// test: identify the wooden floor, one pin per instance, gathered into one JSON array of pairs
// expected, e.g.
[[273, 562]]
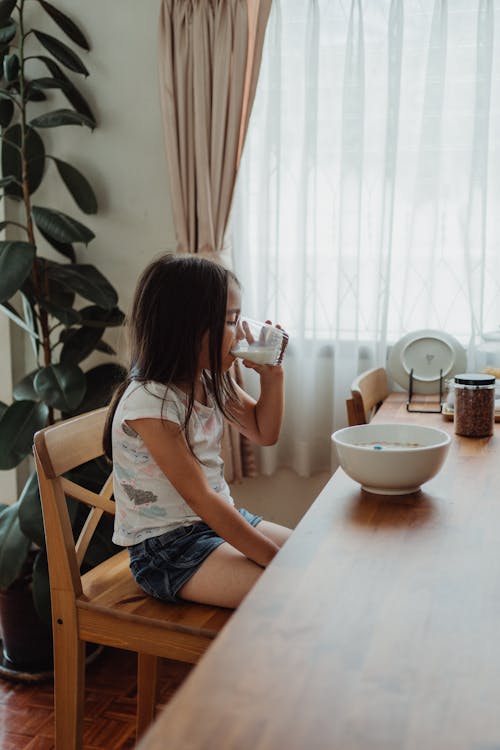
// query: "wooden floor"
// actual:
[[27, 716]]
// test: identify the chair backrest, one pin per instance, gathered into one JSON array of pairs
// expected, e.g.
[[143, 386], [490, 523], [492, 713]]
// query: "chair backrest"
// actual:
[[368, 391], [58, 449]]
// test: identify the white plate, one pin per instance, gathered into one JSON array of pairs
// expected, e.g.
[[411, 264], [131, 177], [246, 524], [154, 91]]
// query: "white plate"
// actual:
[[427, 352]]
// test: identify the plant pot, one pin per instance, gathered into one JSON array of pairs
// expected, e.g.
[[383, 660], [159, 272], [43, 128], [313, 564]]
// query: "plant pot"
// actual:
[[26, 653], [26, 640]]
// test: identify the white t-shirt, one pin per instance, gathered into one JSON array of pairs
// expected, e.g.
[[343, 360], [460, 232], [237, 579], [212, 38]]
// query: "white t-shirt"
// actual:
[[146, 502]]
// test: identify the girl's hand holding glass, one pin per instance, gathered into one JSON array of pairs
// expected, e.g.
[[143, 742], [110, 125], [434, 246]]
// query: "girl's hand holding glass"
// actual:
[[261, 343]]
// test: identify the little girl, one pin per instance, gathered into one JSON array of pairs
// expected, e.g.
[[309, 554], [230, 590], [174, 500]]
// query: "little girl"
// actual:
[[174, 509]]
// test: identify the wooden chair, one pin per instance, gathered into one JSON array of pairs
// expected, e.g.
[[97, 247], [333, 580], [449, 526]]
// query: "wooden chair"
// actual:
[[105, 605], [368, 391]]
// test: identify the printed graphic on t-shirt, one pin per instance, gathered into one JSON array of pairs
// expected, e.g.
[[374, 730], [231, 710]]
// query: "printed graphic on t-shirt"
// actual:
[[139, 497], [128, 430]]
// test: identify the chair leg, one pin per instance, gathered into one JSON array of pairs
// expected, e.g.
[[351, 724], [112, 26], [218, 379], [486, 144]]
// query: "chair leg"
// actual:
[[69, 687], [147, 680]]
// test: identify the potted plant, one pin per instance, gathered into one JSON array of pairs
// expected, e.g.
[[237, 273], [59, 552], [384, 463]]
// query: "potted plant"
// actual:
[[64, 306]]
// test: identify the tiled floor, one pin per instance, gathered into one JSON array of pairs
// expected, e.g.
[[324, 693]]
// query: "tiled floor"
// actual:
[[26, 711]]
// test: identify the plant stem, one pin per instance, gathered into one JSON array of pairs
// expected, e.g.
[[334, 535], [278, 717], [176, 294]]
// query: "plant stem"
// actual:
[[38, 274], [17, 224]]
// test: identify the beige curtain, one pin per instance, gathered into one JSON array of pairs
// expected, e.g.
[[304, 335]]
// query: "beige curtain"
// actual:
[[209, 54]]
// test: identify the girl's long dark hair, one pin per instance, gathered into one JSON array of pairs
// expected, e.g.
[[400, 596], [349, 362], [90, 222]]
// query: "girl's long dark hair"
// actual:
[[178, 298]]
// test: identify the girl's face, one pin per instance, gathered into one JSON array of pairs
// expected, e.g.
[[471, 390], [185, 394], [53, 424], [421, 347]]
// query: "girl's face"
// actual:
[[232, 331]]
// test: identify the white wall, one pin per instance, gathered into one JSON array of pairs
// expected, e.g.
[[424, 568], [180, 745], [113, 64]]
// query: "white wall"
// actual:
[[124, 159]]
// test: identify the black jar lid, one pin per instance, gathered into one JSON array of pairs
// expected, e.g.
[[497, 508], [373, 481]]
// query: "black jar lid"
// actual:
[[475, 378]]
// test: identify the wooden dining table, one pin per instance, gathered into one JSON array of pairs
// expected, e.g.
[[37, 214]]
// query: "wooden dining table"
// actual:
[[376, 627]]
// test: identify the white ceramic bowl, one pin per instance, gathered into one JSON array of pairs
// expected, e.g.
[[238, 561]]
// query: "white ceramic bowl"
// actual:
[[391, 459]]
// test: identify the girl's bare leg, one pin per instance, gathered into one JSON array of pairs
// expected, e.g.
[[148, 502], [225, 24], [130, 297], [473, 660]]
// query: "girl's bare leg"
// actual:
[[226, 576], [223, 579]]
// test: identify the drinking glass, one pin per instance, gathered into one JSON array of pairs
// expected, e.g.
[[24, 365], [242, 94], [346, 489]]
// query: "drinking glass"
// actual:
[[264, 344]]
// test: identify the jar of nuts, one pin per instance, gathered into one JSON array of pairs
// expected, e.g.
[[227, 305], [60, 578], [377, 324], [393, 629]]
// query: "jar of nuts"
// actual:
[[474, 404]]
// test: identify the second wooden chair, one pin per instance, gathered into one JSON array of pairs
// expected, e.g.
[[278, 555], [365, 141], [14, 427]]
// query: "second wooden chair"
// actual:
[[368, 391]]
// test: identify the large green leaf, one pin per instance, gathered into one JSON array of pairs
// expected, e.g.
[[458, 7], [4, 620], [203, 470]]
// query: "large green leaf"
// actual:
[[11, 67], [6, 8], [61, 52], [86, 280], [102, 346], [16, 261], [94, 316], [25, 390], [37, 86], [33, 94], [7, 95], [65, 248], [59, 226], [17, 426], [3, 182], [78, 186], [101, 383], [8, 31], [31, 321], [45, 82], [79, 344], [11, 313], [59, 117], [28, 286], [11, 158], [64, 335], [66, 24], [30, 511], [6, 112], [66, 315], [14, 546], [62, 386], [70, 91], [30, 301], [59, 294]]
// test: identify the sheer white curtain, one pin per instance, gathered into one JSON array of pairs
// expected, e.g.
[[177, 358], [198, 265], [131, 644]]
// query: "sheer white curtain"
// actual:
[[369, 191]]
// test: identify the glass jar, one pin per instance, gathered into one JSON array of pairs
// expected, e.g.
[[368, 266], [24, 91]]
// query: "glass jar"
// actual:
[[487, 354], [474, 404]]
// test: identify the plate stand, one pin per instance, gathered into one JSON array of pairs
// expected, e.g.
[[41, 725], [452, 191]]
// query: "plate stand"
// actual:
[[424, 411]]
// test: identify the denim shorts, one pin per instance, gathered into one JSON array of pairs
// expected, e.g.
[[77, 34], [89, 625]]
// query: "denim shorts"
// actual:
[[162, 564]]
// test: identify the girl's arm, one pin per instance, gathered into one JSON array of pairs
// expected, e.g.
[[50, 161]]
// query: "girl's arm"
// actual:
[[260, 421], [167, 444]]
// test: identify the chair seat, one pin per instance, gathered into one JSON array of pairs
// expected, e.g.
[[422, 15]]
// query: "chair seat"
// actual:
[[111, 593]]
